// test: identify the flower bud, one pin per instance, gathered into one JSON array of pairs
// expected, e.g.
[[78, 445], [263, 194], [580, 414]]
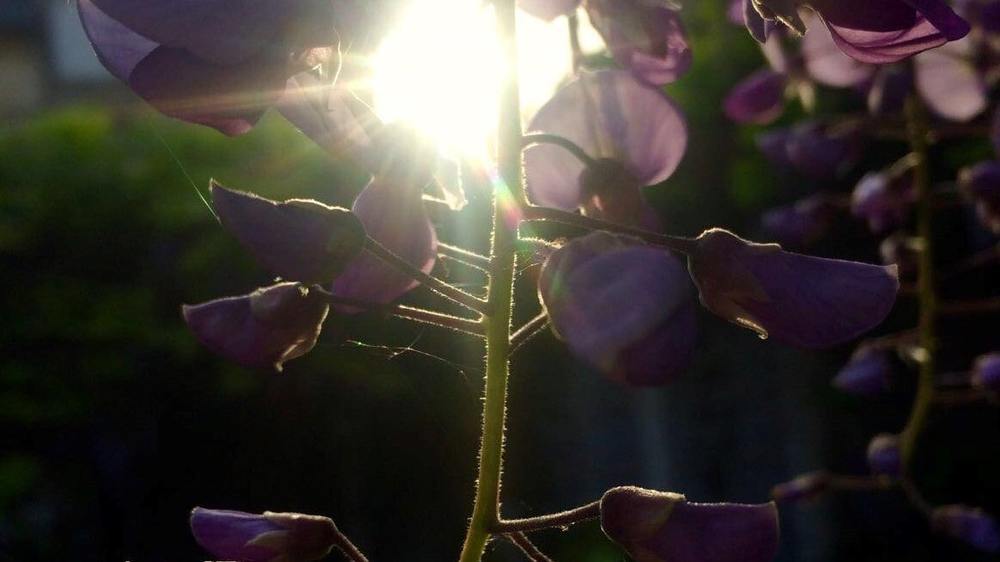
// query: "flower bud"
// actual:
[[969, 525], [820, 152], [901, 250], [866, 373], [801, 223], [623, 307], [613, 194], [800, 300], [981, 185], [803, 487], [884, 457], [300, 240], [657, 526], [758, 98], [268, 537], [263, 329], [986, 372], [883, 200]]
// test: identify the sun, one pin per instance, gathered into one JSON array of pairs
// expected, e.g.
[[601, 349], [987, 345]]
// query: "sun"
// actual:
[[439, 70]]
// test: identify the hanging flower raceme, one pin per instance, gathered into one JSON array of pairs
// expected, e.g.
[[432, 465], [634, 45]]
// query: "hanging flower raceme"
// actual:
[[261, 330], [866, 373], [624, 307], [644, 36], [657, 526], [800, 300], [968, 524], [873, 31], [215, 63], [267, 537], [635, 136]]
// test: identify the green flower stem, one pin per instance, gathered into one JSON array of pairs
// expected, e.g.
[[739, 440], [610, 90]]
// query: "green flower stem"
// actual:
[[562, 519], [926, 291], [508, 196], [678, 244], [529, 549]]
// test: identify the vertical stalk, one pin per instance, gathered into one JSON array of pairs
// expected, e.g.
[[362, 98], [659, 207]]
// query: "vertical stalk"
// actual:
[[916, 118], [507, 196]]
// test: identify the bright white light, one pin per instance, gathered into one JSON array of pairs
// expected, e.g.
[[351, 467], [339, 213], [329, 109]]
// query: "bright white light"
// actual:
[[440, 70]]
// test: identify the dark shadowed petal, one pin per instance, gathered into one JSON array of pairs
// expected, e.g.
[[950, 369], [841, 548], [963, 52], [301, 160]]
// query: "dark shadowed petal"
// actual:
[[882, 200], [891, 86], [820, 152], [260, 330], [734, 12], [948, 81], [981, 185], [609, 192], [623, 307], [648, 40], [760, 29], [663, 527], [249, 537], [117, 47], [801, 223], [826, 63], [229, 98], [970, 525], [883, 454], [773, 144], [986, 372], [803, 487], [758, 98], [796, 299], [548, 9], [609, 114], [866, 373], [299, 240], [395, 218], [225, 31]]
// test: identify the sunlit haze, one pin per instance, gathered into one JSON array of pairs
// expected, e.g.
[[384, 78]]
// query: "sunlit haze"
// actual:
[[439, 70]]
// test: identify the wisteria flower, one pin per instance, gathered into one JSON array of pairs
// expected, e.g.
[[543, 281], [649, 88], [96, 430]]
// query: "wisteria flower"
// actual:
[[883, 198], [986, 372], [264, 329], [636, 135], [873, 31], [801, 223], [645, 36], [968, 524], [866, 373], [883, 454], [657, 526], [813, 149], [220, 64], [800, 300], [981, 185], [267, 537], [624, 307]]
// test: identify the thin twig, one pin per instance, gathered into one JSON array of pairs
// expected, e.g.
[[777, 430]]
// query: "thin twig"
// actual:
[[463, 256], [527, 547], [916, 499], [433, 283], [440, 319], [532, 139], [676, 243], [345, 545], [561, 519], [529, 330]]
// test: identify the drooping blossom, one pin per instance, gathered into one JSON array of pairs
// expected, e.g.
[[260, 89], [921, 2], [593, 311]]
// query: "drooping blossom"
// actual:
[[813, 149], [986, 372], [220, 64], [802, 488], [623, 307], [883, 454], [299, 239], [266, 537], [801, 223], [883, 198], [634, 133], [645, 36], [800, 300], [872, 31], [263, 329], [981, 185], [866, 373], [657, 526], [970, 525]]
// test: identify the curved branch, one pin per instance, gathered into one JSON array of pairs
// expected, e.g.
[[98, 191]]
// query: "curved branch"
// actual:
[[562, 519]]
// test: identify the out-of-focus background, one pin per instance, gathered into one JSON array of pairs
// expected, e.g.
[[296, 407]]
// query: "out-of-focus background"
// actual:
[[114, 423]]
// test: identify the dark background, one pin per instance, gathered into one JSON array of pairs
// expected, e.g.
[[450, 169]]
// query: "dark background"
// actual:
[[114, 423]]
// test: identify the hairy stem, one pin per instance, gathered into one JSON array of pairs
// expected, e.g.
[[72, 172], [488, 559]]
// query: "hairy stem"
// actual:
[[347, 547], [527, 547], [926, 292], [532, 328], [562, 519], [486, 509], [440, 319], [578, 152], [463, 256], [676, 243]]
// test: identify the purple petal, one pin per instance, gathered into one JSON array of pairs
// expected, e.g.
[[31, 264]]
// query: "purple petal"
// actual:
[[117, 47], [969, 525], [760, 29], [299, 240], [883, 200], [226, 533], [548, 9], [734, 12], [986, 372], [773, 144], [867, 372], [799, 300], [758, 98], [396, 219], [611, 193], [624, 308], [801, 223], [663, 527], [228, 98], [949, 83], [827, 64], [260, 330], [648, 40], [820, 152], [610, 115], [883, 454], [804, 487]]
